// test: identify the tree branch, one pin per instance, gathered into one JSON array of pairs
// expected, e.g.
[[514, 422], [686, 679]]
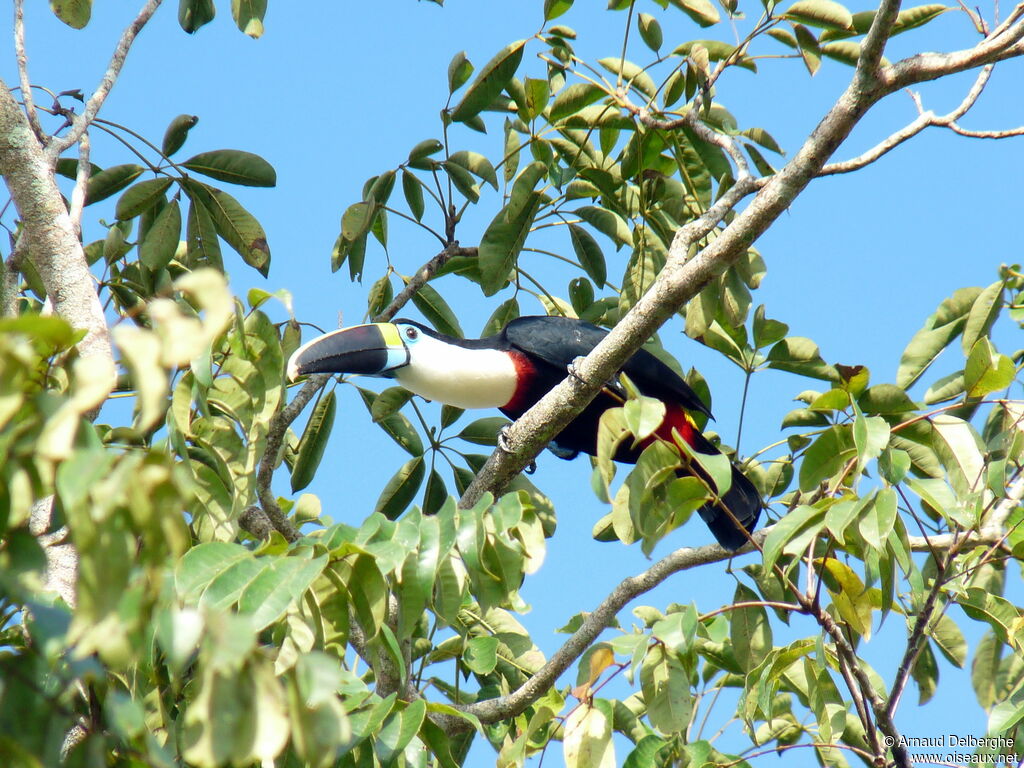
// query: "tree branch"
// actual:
[[92, 106], [23, 78], [493, 710], [924, 120], [81, 184], [49, 235]]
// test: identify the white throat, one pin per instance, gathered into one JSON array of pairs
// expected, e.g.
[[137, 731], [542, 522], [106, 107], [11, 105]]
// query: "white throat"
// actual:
[[464, 378]]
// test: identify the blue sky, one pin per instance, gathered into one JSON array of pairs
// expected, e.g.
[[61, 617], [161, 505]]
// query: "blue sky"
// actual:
[[335, 95]]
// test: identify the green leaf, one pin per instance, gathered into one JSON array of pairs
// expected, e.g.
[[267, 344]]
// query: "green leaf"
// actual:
[[820, 13], [481, 654], [1005, 715], [177, 132], [607, 222], [826, 456], [401, 489], [313, 442], [484, 431], [237, 226], [459, 70], [949, 640], [910, 18], [939, 330], [986, 370], [248, 15], [701, 11], [633, 74], [555, 8], [201, 237], [650, 31], [233, 166], [878, 518], [193, 14], [643, 416], [810, 51], [997, 612], [162, 239], [960, 450], [506, 312], [74, 13], [110, 181], [278, 586], [572, 99], [800, 355], [389, 402], [141, 197], [436, 310], [503, 240], [422, 151], [801, 521], [588, 737], [666, 689], [870, 436], [412, 187], [537, 94], [750, 632], [491, 81], [589, 253], [982, 316]]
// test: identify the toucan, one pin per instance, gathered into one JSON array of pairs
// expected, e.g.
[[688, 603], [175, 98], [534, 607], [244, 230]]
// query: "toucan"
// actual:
[[514, 369]]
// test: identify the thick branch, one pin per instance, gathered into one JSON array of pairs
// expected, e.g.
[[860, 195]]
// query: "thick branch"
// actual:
[[92, 106], [678, 282], [50, 239]]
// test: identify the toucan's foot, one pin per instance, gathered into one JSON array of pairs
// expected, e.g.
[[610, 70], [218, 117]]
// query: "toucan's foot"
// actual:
[[503, 439], [530, 468], [574, 369]]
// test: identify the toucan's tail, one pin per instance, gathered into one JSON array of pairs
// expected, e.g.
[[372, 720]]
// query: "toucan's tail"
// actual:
[[742, 500]]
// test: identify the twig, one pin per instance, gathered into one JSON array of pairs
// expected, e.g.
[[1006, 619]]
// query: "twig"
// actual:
[[81, 184], [26, 83], [421, 277], [92, 106], [925, 119], [503, 707], [271, 453]]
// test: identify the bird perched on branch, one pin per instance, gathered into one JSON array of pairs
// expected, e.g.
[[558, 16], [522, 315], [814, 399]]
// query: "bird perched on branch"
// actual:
[[513, 370]]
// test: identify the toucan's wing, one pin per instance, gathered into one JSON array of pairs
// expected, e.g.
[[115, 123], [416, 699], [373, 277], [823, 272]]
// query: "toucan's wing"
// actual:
[[560, 340]]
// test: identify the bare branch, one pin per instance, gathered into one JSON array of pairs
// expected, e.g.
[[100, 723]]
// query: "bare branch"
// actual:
[[924, 120], [81, 184], [1003, 43], [92, 106], [23, 78]]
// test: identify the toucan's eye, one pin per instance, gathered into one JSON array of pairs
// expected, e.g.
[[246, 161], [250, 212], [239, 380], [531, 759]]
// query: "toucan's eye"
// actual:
[[412, 334]]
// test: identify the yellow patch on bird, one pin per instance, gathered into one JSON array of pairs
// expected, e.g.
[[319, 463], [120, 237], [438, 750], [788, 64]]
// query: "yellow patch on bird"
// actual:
[[391, 336]]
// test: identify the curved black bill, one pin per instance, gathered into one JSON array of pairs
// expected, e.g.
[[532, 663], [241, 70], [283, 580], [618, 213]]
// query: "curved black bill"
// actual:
[[366, 349]]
